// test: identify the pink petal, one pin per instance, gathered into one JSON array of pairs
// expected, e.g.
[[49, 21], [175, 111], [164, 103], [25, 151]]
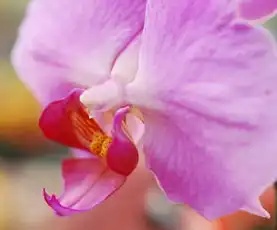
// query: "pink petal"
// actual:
[[122, 156], [207, 88], [255, 9], [62, 45], [88, 182]]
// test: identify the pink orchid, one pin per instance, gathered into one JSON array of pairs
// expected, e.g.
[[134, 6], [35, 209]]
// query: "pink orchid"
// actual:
[[90, 180], [256, 9], [201, 82]]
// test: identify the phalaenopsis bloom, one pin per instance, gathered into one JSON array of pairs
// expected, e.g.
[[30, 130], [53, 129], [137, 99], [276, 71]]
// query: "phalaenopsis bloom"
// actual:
[[187, 83]]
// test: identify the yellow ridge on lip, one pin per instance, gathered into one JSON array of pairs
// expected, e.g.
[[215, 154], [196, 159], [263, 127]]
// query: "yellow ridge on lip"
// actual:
[[100, 144], [86, 129], [92, 136]]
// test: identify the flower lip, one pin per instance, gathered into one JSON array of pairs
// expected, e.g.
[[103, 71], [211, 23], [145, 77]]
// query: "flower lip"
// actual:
[[66, 121], [122, 155], [54, 202], [87, 183]]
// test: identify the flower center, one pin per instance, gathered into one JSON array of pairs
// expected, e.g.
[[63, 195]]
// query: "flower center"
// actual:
[[67, 121], [100, 144], [90, 134]]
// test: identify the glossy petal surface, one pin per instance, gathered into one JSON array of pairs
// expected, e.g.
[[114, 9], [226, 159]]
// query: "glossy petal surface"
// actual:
[[256, 9], [62, 46], [88, 182], [207, 85]]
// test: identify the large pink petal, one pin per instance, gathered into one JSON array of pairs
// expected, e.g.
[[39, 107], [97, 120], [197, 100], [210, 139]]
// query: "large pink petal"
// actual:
[[63, 45], [255, 9], [88, 182], [207, 87]]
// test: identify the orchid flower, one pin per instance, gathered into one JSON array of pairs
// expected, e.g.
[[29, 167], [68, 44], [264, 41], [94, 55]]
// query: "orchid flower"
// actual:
[[257, 9], [89, 180], [200, 81]]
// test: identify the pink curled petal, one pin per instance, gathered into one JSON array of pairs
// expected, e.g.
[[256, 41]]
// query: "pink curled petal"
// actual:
[[134, 125], [207, 88], [256, 9], [122, 156], [88, 182], [55, 204], [62, 46]]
